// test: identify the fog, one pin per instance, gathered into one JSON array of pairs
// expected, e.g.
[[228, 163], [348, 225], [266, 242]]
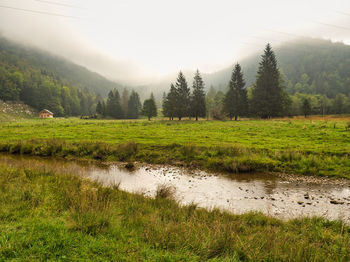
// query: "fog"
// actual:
[[139, 42]]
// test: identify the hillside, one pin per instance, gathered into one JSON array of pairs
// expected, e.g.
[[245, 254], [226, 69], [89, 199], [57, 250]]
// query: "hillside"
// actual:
[[311, 66], [68, 73], [41, 80], [14, 111]]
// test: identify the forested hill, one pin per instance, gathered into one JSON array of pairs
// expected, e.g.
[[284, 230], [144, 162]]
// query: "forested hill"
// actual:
[[42, 81], [311, 66], [67, 72]]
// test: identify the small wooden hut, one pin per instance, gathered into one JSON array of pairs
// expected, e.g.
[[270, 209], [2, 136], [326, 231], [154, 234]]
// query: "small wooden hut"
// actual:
[[45, 114]]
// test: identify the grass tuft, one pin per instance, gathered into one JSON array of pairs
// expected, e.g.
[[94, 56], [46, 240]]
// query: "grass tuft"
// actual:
[[165, 191]]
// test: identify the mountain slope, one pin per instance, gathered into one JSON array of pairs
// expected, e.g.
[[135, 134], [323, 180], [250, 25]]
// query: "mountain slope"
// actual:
[[41, 80], [311, 66], [67, 72]]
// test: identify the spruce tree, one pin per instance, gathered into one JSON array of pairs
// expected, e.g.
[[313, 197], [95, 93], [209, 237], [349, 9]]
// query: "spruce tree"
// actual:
[[198, 107], [268, 95], [134, 106], [182, 108], [124, 101], [169, 104], [99, 109], [306, 107], [104, 109], [165, 106], [109, 105], [114, 108], [149, 108], [236, 99]]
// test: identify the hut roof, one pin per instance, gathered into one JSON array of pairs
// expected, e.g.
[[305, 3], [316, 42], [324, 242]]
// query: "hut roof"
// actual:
[[46, 111]]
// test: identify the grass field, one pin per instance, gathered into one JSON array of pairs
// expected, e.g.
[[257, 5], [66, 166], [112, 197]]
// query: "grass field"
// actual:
[[57, 217], [302, 146]]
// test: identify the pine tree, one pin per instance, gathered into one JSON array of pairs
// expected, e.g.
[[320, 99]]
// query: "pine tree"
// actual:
[[165, 106], [198, 107], [104, 109], [113, 106], [169, 103], [99, 109], [236, 99], [182, 97], [306, 107], [268, 94], [125, 101], [149, 108], [134, 106]]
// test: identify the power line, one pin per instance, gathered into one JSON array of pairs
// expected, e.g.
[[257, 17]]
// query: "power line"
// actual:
[[342, 13], [330, 25], [38, 12], [60, 4]]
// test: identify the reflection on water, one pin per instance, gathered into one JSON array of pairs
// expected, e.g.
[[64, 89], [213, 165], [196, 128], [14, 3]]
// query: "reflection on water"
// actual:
[[270, 194]]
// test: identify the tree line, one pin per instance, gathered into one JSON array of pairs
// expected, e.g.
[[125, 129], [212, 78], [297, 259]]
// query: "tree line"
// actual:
[[40, 89], [127, 106], [267, 97]]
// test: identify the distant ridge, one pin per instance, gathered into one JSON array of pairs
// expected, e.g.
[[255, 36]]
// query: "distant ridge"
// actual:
[[67, 72], [323, 67]]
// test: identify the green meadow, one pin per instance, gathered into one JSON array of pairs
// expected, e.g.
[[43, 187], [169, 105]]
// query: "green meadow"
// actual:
[[59, 217], [315, 146]]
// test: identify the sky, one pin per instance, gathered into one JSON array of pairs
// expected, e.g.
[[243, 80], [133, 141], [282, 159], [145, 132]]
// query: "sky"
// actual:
[[138, 41]]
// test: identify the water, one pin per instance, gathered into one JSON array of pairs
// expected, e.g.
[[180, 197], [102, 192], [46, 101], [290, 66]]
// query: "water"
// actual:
[[280, 196]]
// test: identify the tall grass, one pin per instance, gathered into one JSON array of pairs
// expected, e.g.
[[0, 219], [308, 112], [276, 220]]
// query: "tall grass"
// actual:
[[232, 159], [47, 216], [315, 146]]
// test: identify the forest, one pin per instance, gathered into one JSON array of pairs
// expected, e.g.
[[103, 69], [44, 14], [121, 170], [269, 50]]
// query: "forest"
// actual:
[[312, 80], [41, 80]]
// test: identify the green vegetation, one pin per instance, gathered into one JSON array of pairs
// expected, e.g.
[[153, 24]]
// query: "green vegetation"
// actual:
[[311, 68], [47, 216], [197, 98], [236, 100], [149, 108], [318, 147], [41, 80]]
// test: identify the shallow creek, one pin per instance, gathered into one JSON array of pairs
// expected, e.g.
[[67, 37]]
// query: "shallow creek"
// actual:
[[276, 195]]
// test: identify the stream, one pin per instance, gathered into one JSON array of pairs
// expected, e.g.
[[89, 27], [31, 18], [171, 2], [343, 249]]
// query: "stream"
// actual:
[[276, 195]]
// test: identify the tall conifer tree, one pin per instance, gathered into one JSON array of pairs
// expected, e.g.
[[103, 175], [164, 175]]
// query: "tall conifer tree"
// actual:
[[236, 99], [268, 95], [182, 97], [134, 106], [169, 103], [149, 107], [124, 101], [114, 108], [198, 107]]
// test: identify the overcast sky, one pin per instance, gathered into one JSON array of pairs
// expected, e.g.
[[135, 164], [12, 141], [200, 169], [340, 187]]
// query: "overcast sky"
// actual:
[[135, 41]]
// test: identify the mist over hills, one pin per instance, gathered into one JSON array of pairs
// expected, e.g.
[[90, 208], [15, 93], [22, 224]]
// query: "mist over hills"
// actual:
[[311, 66], [68, 73]]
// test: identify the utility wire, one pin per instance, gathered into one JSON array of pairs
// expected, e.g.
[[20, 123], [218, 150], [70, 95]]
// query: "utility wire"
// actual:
[[331, 25], [38, 12], [60, 4], [342, 13]]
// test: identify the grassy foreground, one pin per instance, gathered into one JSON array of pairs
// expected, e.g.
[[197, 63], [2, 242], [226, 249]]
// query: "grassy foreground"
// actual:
[[312, 146], [47, 216]]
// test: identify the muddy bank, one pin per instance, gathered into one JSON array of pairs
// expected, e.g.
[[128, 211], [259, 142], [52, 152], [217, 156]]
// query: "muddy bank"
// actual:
[[279, 195]]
